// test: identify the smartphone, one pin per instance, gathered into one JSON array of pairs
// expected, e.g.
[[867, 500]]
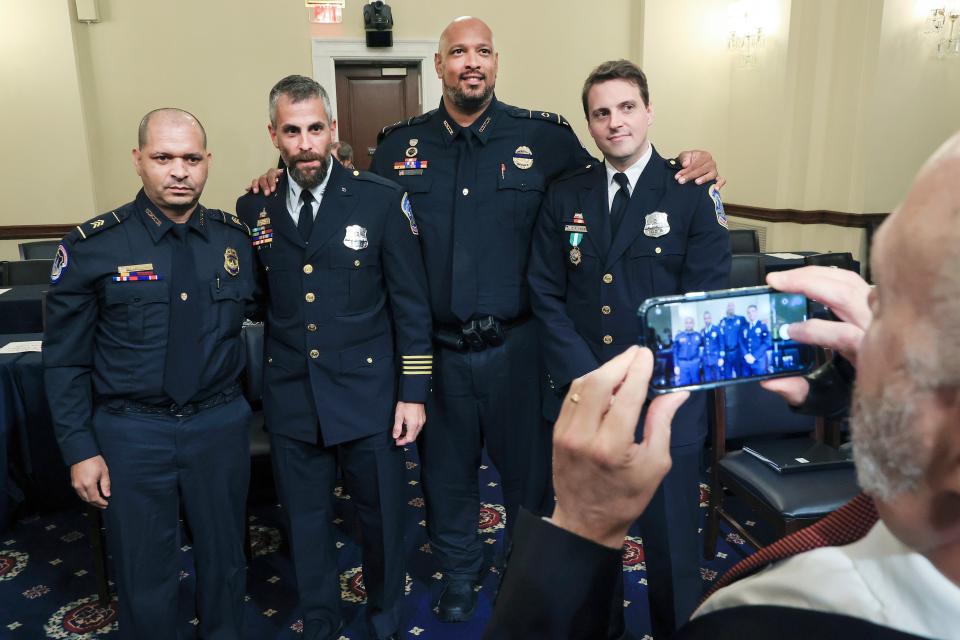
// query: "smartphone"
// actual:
[[710, 339]]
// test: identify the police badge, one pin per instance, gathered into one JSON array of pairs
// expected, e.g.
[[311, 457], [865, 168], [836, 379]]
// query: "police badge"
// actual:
[[355, 237], [231, 261], [656, 225]]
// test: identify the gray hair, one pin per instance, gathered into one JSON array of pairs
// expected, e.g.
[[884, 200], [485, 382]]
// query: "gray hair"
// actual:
[[344, 151], [298, 89]]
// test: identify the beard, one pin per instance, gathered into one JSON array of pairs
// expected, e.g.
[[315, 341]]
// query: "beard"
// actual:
[[469, 102], [887, 442], [308, 180]]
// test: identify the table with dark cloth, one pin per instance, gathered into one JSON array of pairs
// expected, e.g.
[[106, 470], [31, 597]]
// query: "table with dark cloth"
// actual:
[[21, 309]]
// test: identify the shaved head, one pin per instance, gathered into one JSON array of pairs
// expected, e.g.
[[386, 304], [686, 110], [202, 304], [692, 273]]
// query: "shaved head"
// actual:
[[172, 116], [466, 63], [458, 26]]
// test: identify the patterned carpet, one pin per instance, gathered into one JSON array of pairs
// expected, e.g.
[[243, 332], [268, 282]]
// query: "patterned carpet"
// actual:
[[47, 589]]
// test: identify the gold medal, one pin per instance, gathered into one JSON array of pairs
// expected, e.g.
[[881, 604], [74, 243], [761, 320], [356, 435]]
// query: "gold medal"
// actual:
[[411, 152], [575, 256]]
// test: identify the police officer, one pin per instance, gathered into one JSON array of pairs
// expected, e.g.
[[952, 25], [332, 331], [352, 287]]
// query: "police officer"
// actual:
[[755, 342], [339, 262], [687, 345], [732, 326], [476, 170], [141, 354], [712, 349], [609, 236]]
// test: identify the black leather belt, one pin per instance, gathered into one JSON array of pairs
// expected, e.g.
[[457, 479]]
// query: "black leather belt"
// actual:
[[476, 335], [118, 405]]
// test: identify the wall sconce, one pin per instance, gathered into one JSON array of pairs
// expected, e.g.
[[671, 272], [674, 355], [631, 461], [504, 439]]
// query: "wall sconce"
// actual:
[[746, 37], [943, 23]]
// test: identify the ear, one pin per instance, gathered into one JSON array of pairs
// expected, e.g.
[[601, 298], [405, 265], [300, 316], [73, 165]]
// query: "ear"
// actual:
[[649, 115], [273, 135], [135, 157], [436, 65], [333, 128], [944, 472]]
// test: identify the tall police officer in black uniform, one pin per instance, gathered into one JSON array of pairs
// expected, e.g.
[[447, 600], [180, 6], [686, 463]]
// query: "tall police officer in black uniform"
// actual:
[[141, 354], [339, 261], [475, 170], [609, 236]]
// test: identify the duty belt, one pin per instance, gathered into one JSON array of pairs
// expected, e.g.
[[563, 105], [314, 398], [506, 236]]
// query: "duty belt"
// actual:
[[476, 335], [119, 405]]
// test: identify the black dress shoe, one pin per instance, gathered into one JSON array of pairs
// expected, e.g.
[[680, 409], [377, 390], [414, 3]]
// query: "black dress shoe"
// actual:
[[457, 602]]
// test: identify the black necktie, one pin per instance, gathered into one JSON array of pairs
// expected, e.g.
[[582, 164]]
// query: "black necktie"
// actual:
[[620, 201], [464, 288], [305, 221], [181, 372]]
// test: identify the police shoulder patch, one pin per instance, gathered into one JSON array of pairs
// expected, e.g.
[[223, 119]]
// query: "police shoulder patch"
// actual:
[[101, 223], [530, 114], [407, 209], [718, 205], [60, 262], [387, 130]]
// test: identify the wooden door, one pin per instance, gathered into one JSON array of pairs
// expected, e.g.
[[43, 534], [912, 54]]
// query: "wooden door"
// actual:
[[371, 95]]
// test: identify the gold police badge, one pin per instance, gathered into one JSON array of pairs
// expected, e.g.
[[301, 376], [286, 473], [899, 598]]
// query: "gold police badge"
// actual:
[[231, 261]]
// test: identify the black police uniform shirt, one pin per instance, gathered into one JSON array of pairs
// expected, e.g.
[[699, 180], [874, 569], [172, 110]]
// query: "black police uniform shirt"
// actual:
[[476, 190], [108, 313], [586, 286], [345, 313]]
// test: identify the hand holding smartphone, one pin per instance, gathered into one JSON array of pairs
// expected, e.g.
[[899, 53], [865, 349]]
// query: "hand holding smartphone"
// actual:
[[710, 339]]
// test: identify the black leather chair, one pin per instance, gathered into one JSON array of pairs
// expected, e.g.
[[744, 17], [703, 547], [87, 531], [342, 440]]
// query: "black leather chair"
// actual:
[[839, 260], [38, 250], [788, 501], [744, 241], [27, 272], [747, 270], [252, 381]]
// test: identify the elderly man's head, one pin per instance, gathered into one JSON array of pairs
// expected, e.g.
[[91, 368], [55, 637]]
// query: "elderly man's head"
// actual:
[[906, 426]]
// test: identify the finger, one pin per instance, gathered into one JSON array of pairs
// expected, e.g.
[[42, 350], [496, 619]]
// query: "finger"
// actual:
[[657, 427], [397, 424], [105, 482], [721, 182], [410, 437], [620, 423], [253, 187], [598, 389], [793, 390], [839, 336], [843, 291], [707, 177]]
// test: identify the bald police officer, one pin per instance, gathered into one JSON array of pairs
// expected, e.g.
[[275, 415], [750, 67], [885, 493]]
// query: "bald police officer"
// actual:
[[141, 354]]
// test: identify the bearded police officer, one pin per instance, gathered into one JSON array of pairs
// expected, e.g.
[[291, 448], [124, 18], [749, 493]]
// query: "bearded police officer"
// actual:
[[141, 354], [609, 236], [339, 263]]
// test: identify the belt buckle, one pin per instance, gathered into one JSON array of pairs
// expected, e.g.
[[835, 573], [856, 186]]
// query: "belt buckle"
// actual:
[[472, 336]]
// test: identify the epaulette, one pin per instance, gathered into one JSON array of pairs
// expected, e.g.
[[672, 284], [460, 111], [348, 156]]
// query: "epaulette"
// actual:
[[673, 164], [367, 176], [527, 114], [577, 171], [228, 219], [102, 222], [409, 122]]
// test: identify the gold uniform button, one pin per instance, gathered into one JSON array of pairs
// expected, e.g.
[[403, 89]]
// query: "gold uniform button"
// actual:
[[356, 263], [308, 269], [311, 327], [184, 296], [608, 339], [314, 353], [605, 309], [310, 297], [607, 278], [356, 173], [658, 250], [369, 360]]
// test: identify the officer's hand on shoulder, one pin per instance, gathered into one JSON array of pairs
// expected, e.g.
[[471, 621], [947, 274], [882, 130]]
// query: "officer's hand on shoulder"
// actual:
[[90, 478], [267, 183], [698, 166]]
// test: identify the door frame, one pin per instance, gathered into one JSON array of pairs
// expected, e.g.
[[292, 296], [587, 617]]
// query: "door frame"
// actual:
[[327, 52]]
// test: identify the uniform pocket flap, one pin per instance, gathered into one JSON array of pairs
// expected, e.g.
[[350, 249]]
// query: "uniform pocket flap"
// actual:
[[367, 354], [137, 292]]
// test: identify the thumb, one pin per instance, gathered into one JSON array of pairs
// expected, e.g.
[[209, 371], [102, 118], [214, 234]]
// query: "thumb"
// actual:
[[397, 423], [656, 428], [105, 482]]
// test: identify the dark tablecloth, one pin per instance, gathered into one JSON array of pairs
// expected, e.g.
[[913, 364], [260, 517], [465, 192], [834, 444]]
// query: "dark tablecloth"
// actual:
[[21, 309]]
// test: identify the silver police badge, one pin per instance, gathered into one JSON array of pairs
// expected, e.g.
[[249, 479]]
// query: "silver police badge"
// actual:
[[355, 237], [656, 225]]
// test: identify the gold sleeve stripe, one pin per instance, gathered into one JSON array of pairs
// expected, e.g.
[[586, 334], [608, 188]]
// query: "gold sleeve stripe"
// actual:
[[81, 232], [417, 367], [430, 357], [416, 373]]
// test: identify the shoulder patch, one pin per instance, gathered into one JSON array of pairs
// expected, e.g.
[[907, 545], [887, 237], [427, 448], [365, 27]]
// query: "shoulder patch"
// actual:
[[407, 209], [718, 205], [529, 114], [228, 219], [404, 123], [60, 262], [101, 223]]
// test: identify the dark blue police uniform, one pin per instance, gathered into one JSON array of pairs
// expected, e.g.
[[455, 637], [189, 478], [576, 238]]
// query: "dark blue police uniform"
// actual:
[[109, 311], [712, 353], [732, 328], [755, 340], [476, 191], [686, 357], [586, 287], [346, 313]]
